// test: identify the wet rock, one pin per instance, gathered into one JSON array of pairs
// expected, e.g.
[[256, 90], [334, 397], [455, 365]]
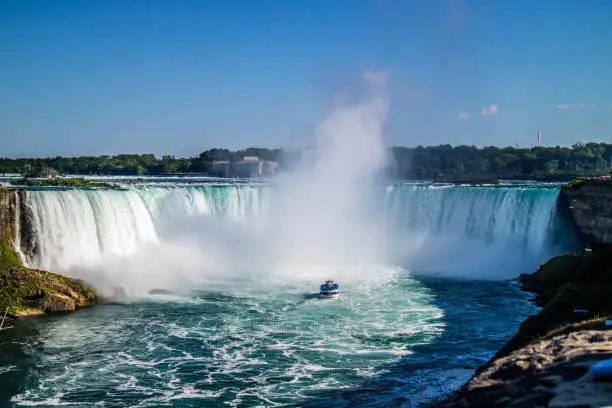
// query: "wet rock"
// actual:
[[56, 302], [590, 205]]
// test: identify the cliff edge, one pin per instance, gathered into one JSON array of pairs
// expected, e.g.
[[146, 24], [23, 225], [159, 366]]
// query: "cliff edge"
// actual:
[[590, 204], [26, 291]]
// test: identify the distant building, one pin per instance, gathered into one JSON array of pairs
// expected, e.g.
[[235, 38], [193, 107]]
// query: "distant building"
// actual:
[[253, 166], [248, 167]]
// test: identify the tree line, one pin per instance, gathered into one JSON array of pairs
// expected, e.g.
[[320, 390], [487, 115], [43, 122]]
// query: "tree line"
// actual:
[[445, 162]]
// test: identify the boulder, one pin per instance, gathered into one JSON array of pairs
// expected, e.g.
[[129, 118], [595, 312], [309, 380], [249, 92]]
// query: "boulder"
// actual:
[[56, 302]]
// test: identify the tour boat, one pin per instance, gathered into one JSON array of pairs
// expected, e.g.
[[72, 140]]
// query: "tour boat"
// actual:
[[330, 290]]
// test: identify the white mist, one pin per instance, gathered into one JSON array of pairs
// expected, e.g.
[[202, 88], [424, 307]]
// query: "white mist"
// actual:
[[320, 220], [324, 213]]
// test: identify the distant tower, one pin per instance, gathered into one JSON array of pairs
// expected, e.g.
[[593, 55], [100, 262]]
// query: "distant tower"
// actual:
[[539, 137]]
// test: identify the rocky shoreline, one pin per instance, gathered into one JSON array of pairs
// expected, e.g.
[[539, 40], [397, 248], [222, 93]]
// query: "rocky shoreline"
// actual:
[[551, 373]]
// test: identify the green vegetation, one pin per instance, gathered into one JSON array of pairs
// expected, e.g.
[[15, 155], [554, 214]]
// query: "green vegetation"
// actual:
[[544, 163], [600, 181], [61, 182], [136, 164], [8, 258], [443, 163], [574, 184], [28, 291]]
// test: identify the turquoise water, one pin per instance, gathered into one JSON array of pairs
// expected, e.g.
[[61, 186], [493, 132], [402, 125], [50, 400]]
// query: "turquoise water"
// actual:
[[243, 327], [401, 339]]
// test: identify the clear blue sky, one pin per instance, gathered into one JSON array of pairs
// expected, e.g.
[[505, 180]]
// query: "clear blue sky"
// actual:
[[178, 77]]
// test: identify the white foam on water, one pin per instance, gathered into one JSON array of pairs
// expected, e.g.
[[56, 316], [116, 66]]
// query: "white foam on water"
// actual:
[[270, 346]]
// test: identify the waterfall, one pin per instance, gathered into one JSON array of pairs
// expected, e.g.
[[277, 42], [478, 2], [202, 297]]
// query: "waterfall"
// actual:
[[524, 215], [16, 206], [79, 227]]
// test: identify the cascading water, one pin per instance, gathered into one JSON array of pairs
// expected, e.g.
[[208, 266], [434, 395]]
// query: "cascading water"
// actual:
[[76, 228], [486, 232], [488, 214], [16, 208], [116, 223]]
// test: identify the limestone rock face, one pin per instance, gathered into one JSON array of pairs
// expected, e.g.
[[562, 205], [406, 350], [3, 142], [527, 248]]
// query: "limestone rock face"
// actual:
[[56, 302], [591, 207]]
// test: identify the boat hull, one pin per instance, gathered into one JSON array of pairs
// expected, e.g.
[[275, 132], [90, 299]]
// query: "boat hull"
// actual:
[[329, 294]]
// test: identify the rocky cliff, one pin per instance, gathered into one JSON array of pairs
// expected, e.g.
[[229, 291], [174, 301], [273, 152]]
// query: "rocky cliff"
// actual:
[[590, 203], [26, 291], [5, 215]]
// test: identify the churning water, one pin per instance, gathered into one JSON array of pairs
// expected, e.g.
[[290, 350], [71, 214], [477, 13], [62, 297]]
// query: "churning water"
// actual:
[[242, 328]]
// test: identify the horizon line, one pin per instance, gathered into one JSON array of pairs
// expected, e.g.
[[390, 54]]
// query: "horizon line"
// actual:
[[516, 147]]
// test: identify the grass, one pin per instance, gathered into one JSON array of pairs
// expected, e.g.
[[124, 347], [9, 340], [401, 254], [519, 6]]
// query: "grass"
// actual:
[[574, 184], [577, 184], [8, 257], [62, 182], [596, 323]]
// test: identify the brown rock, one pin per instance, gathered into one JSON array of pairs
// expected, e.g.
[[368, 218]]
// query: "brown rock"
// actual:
[[550, 373], [56, 302]]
